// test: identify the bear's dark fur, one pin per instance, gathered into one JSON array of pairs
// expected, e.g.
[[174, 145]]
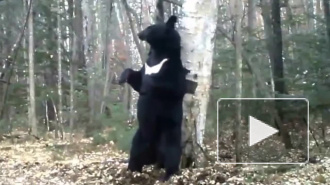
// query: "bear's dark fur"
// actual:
[[159, 107]]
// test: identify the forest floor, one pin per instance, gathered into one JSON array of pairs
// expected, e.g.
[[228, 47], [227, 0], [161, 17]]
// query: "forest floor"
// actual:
[[30, 161]]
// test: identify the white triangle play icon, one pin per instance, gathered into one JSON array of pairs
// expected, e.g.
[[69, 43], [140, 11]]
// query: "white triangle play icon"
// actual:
[[259, 131]]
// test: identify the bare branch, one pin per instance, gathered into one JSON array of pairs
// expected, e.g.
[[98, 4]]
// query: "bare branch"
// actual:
[[252, 68], [140, 48], [12, 57], [135, 15], [14, 49]]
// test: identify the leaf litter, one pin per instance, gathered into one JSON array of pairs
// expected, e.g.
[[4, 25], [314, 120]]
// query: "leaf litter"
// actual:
[[79, 162]]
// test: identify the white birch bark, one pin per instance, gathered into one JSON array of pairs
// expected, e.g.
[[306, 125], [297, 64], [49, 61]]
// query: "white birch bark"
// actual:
[[318, 7], [25, 57], [59, 58], [72, 78], [32, 107], [198, 26]]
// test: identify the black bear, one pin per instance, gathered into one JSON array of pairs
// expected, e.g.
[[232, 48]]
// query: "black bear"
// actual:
[[161, 83]]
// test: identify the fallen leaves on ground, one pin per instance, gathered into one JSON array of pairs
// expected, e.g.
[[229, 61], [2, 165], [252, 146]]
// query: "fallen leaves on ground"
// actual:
[[53, 162]]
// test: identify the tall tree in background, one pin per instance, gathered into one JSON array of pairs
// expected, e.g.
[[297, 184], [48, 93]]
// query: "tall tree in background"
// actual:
[[78, 30], [197, 32], [310, 15], [160, 11], [88, 31], [73, 47], [278, 70], [251, 15], [59, 70], [266, 15], [238, 73], [326, 6], [277, 64], [32, 107]]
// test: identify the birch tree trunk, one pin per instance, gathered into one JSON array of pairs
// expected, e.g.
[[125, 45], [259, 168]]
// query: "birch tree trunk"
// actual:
[[238, 43], [318, 7], [25, 57], [197, 32], [59, 58], [32, 107], [73, 45]]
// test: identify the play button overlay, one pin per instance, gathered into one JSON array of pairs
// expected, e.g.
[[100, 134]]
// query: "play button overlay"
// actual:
[[259, 131], [270, 130]]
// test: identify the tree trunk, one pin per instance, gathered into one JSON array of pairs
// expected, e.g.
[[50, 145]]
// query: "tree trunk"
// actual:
[[73, 47], [160, 11], [198, 31], [129, 11], [50, 78], [78, 31], [277, 48], [318, 8], [109, 74], [25, 58], [238, 43], [292, 23], [273, 34], [32, 107], [88, 23], [277, 61], [251, 30], [59, 70], [326, 6], [266, 15], [252, 16], [310, 15]]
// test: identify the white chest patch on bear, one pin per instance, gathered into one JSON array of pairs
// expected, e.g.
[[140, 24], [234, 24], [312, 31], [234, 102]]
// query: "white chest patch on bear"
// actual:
[[154, 69]]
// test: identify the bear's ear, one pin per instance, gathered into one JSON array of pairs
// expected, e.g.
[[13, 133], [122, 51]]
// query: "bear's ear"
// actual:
[[171, 21]]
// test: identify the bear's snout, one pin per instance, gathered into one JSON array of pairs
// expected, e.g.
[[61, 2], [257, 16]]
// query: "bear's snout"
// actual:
[[141, 36]]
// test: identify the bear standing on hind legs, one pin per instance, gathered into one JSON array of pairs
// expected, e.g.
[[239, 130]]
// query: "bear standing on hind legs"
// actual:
[[161, 83]]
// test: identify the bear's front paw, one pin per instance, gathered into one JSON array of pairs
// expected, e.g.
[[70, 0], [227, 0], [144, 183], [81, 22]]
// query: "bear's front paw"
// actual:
[[191, 86], [124, 76]]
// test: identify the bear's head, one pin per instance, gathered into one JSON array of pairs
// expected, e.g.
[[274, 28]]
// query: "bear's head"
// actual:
[[162, 36]]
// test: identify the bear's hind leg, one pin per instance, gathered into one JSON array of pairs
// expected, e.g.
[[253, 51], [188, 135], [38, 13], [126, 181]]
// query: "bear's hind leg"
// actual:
[[136, 154], [172, 152]]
